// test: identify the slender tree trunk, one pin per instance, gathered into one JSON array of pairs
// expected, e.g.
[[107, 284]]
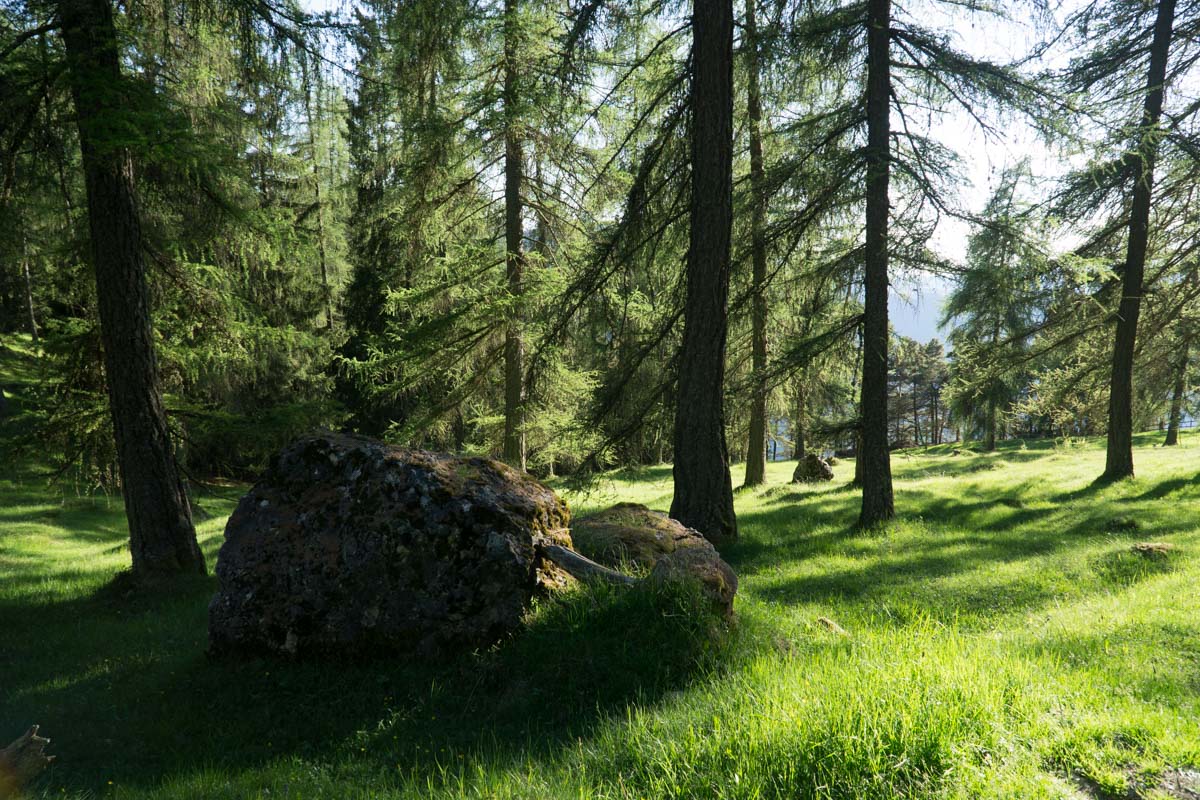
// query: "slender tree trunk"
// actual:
[[514, 344], [877, 499], [703, 491], [989, 441], [33, 326], [326, 289], [916, 414], [989, 433], [798, 424], [858, 461], [935, 426], [162, 539], [756, 466], [1119, 461], [1177, 396]]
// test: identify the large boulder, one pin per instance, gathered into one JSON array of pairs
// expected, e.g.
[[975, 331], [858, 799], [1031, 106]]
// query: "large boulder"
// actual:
[[631, 533], [812, 469], [350, 546]]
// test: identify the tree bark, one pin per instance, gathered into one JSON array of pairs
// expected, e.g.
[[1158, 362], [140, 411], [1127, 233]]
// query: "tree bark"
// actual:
[[582, 568], [935, 424], [326, 289], [162, 539], [1119, 461], [703, 491], [756, 458], [916, 403], [514, 345], [876, 469], [798, 432], [22, 761], [33, 326], [1177, 396], [989, 440]]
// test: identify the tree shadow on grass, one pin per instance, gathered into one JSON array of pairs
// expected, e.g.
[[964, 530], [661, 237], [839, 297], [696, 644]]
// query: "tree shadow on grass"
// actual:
[[1164, 488], [980, 538], [967, 463], [127, 693], [1087, 491], [914, 576]]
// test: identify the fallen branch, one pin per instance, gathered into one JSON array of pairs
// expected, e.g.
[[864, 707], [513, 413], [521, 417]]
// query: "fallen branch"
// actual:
[[582, 568], [699, 564]]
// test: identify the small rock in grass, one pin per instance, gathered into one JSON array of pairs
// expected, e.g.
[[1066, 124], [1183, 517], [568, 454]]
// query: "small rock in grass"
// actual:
[[832, 626], [812, 469], [1153, 549]]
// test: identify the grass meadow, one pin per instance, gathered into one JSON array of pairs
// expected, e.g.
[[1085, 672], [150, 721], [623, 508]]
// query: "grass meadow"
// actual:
[[1000, 640]]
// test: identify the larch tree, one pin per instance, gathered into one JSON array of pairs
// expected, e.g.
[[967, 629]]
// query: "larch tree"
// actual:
[[1119, 456], [514, 234], [1178, 389], [878, 504], [162, 537], [756, 446], [995, 302], [1133, 201], [703, 496]]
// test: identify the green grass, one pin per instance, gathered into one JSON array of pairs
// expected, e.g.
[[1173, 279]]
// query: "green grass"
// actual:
[[1002, 642]]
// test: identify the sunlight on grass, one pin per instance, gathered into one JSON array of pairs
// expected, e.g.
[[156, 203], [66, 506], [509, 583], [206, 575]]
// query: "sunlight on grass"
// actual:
[[1002, 641]]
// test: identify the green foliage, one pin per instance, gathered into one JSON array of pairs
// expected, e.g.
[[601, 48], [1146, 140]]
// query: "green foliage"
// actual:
[[241, 214]]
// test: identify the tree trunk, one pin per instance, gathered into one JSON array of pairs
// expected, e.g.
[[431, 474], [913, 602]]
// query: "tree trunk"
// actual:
[[326, 289], [916, 414], [858, 461], [162, 539], [514, 345], [935, 425], [1177, 397], [756, 464], [33, 326], [703, 491], [989, 441], [1119, 461], [877, 499], [798, 424]]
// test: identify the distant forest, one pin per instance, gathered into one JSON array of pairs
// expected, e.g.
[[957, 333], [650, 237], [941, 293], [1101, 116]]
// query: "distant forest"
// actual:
[[582, 235]]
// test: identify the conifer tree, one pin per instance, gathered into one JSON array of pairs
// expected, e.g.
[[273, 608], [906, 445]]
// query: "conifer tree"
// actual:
[[162, 538], [703, 496]]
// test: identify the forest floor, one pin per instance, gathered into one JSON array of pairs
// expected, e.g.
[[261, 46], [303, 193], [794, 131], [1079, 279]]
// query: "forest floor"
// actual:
[[1001, 640]]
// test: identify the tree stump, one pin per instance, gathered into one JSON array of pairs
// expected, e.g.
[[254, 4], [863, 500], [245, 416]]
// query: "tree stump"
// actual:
[[22, 761]]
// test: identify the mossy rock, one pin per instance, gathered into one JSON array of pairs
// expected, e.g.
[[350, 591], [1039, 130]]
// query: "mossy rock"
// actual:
[[812, 469], [631, 534], [1143, 560]]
